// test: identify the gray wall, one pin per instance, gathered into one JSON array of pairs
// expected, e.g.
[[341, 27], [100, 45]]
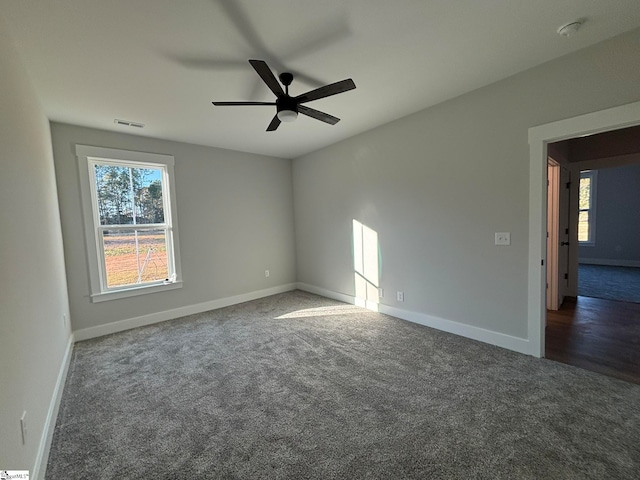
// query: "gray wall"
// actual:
[[235, 219], [617, 217], [437, 185], [33, 296]]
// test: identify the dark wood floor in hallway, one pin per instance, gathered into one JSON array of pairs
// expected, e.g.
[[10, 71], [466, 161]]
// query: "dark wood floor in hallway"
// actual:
[[598, 335]]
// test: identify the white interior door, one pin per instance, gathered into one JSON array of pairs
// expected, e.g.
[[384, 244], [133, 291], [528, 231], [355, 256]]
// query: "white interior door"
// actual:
[[564, 206], [553, 241]]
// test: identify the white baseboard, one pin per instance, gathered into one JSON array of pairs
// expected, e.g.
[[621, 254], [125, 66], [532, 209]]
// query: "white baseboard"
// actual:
[[323, 292], [42, 457], [119, 326], [517, 344], [609, 262]]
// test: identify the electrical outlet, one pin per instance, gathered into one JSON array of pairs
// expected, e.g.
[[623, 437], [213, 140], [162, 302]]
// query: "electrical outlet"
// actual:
[[381, 292], [503, 238], [23, 427], [400, 296], [266, 273]]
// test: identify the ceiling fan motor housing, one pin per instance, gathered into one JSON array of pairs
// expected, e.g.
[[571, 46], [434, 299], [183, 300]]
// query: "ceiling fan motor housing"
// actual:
[[286, 103]]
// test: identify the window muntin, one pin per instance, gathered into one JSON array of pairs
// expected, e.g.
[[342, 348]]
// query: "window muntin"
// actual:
[[130, 228], [586, 205]]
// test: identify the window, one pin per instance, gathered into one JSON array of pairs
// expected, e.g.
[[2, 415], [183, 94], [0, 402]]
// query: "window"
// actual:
[[587, 205], [130, 226]]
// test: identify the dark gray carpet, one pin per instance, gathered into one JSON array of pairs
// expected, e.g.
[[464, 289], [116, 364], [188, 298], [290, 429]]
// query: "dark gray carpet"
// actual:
[[612, 283], [299, 386]]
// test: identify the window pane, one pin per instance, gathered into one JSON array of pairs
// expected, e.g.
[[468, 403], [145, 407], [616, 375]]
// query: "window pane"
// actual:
[[583, 226], [112, 189], [134, 256], [129, 195], [148, 195], [585, 193]]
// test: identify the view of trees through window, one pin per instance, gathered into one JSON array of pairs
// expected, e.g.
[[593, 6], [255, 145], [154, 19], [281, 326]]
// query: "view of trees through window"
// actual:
[[127, 196]]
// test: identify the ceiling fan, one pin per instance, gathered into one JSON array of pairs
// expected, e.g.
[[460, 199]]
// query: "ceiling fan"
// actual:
[[288, 107]]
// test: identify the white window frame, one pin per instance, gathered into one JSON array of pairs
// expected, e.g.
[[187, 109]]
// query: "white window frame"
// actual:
[[88, 156], [593, 175]]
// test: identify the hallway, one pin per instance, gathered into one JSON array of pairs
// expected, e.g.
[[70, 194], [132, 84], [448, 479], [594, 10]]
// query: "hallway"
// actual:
[[598, 335]]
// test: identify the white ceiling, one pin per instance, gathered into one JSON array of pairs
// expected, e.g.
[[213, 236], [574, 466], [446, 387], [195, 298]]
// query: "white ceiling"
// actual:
[[162, 62]]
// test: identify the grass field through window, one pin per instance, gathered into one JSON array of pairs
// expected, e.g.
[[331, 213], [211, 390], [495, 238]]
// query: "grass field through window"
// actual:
[[129, 264]]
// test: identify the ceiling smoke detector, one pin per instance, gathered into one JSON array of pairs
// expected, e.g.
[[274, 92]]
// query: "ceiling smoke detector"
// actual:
[[570, 28]]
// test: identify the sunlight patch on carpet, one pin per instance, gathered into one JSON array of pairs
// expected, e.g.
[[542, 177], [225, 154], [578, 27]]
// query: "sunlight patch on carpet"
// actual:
[[322, 311]]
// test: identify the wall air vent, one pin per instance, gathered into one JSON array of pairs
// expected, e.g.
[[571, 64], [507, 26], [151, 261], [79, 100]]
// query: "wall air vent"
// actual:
[[127, 123]]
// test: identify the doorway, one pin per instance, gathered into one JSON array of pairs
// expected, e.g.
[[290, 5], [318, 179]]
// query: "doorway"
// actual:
[[539, 138], [599, 328], [591, 333]]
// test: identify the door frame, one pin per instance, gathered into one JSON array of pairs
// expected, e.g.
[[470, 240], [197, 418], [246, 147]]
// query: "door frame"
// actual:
[[539, 137]]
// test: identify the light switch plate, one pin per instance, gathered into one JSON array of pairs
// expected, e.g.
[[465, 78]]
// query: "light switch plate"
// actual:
[[503, 238]]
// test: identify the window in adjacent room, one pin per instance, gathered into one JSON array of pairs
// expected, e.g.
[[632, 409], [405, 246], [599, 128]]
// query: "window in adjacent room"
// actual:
[[587, 212], [130, 221]]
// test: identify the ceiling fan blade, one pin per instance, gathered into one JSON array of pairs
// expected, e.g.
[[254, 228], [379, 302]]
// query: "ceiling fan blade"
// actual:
[[228, 104], [323, 34], [318, 115], [267, 76], [240, 19], [275, 123], [206, 63], [326, 91]]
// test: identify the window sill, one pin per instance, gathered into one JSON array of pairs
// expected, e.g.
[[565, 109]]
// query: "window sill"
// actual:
[[134, 292]]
